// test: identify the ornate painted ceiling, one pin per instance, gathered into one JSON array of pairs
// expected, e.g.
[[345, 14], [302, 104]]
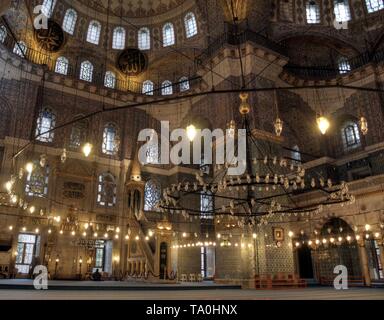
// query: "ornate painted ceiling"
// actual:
[[133, 8]]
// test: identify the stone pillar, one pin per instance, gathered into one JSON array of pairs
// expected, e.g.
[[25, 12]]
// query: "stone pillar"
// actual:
[[4, 6], [381, 246], [364, 263]]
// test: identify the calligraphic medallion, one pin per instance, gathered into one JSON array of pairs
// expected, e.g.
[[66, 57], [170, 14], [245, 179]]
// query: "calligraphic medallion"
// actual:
[[51, 39], [132, 62]]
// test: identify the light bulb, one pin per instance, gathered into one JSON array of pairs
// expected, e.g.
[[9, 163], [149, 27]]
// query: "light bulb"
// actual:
[[32, 209], [150, 233], [49, 231], [29, 167], [105, 235], [116, 236], [191, 132], [323, 124], [290, 234], [117, 229], [87, 149], [10, 228], [367, 227], [37, 230], [8, 186], [137, 238], [127, 237], [254, 236]]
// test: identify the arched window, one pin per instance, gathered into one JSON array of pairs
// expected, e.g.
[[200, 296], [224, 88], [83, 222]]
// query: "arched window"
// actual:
[[106, 190], [118, 41], [152, 194], [374, 5], [78, 134], [69, 21], [111, 140], [166, 88], [343, 65], [45, 122], [37, 181], [3, 34], [144, 39], [62, 64], [184, 84], [20, 48], [110, 80], [313, 12], [295, 154], [94, 30], [190, 25], [168, 35], [350, 135], [47, 7], [86, 71], [206, 205], [148, 87], [341, 10]]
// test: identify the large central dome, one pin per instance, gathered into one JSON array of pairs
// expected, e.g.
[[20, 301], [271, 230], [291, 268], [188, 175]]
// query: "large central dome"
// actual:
[[131, 8]]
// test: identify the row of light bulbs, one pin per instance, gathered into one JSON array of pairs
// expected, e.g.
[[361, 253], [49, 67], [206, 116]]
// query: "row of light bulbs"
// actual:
[[337, 240]]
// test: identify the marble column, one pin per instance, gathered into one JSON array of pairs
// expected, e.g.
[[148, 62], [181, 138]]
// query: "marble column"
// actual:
[[4, 6], [364, 264]]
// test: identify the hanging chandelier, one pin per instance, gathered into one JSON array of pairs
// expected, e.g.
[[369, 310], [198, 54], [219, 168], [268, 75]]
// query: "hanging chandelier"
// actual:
[[264, 190]]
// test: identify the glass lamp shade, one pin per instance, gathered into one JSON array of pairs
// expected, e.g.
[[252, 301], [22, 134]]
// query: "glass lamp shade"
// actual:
[[244, 105], [363, 125], [278, 127], [323, 124]]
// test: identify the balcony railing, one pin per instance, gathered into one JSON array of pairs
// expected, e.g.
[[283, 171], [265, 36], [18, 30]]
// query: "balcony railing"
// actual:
[[332, 70]]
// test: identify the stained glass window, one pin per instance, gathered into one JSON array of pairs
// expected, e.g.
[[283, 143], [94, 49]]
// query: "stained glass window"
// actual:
[[37, 181], [78, 134], [351, 135], [341, 10], [69, 21], [152, 194], [295, 154], [343, 65], [45, 122], [47, 7], [166, 88], [3, 34], [106, 190], [168, 35], [110, 80], [148, 87], [190, 25], [86, 71], [118, 41], [110, 139], [313, 12], [206, 205], [184, 84], [144, 39], [94, 31], [20, 48], [62, 64], [374, 5]]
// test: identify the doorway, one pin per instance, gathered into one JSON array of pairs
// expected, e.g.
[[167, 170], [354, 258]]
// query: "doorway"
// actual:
[[304, 256]]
